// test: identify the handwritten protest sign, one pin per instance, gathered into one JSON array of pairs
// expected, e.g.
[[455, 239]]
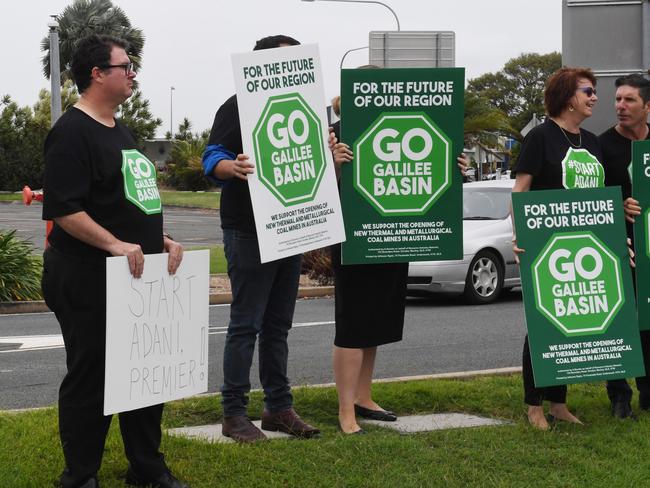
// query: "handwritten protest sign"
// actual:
[[156, 332]]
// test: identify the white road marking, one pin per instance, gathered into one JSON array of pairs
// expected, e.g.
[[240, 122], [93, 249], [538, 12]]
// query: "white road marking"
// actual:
[[55, 341], [214, 330], [33, 342]]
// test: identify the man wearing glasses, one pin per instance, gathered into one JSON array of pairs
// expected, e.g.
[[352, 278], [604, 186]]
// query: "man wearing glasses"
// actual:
[[632, 109], [86, 169]]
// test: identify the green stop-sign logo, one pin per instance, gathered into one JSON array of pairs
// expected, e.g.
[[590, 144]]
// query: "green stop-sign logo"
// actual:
[[581, 169], [140, 186], [289, 149], [578, 283], [403, 164]]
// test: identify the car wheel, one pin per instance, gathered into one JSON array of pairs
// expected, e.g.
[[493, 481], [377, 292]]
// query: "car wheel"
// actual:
[[484, 280]]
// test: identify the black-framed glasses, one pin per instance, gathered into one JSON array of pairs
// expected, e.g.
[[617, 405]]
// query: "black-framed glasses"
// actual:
[[587, 90], [127, 67]]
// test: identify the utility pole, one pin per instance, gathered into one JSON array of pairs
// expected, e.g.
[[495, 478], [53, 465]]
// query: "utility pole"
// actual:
[[55, 71], [171, 111]]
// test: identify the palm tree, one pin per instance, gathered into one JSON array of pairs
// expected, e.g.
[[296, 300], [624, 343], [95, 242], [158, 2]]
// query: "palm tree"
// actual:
[[85, 17], [483, 121]]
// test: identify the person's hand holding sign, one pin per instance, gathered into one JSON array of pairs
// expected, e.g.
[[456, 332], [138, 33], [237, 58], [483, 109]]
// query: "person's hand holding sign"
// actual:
[[175, 251], [631, 208], [234, 168]]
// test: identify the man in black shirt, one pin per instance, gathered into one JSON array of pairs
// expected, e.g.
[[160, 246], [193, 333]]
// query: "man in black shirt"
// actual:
[[90, 158], [264, 295], [632, 109]]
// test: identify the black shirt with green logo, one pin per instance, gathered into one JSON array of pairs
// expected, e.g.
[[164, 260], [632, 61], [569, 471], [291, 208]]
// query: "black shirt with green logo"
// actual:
[[617, 154], [84, 171], [559, 159]]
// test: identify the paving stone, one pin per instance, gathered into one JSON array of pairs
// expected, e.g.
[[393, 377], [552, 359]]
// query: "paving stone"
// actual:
[[212, 433], [406, 425], [437, 421]]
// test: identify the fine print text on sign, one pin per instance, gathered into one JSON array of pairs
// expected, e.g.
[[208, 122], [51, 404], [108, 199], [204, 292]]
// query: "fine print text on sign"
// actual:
[[402, 193], [576, 283], [284, 131], [641, 191], [156, 332]]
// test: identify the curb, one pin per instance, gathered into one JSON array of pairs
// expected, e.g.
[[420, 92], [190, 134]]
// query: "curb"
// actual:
[[215, 299], [457, 375]]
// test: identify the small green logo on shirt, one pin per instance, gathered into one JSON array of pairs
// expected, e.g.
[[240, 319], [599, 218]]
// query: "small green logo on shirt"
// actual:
[[581, 169], [140, 186]]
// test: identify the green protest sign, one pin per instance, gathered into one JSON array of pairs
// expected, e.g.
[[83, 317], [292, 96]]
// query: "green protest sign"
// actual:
[[402, 194], [577, 286], [641, 190]]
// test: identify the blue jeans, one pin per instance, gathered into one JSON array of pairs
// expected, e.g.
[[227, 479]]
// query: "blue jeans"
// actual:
[[264, 299]]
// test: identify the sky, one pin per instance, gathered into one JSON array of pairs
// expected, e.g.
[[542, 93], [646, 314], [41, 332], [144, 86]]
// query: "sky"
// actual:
[[188, 43]]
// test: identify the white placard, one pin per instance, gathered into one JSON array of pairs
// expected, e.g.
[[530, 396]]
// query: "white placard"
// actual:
[[282, 114], [156, 331]]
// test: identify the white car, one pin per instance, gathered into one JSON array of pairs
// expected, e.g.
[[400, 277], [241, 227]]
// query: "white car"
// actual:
[[488, 264]]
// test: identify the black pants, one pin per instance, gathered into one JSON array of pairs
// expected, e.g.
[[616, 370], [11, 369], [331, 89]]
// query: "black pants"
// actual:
[[620, 391], [75, 290], [535, 396]]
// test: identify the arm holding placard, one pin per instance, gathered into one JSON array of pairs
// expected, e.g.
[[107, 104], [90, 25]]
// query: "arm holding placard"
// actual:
[[81, 226], [631, 208], [522, 183], [175, 251]]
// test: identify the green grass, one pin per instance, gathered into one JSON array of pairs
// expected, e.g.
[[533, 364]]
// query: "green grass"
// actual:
[[603, 453], [11, 197], [191, 198], [178, 198], [217, 258]]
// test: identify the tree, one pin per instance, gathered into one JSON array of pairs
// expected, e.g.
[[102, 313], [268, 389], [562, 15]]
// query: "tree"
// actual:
[[137, 116], [484, 122], [184, 170], [21, 146], [518, 89], [85, 17], [42, 108]]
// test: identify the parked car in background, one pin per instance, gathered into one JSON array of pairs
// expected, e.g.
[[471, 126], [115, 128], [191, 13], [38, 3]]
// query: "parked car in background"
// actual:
[[488, 265]]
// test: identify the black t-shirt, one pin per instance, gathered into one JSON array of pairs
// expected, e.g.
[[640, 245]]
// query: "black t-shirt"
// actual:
[[558, 159], [236, 209], [83, 172], [617, 153]]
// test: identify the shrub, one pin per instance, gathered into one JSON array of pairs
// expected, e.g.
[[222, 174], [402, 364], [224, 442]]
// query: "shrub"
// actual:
[[318, 266], [20, 270], [184, 170], [185, 178]]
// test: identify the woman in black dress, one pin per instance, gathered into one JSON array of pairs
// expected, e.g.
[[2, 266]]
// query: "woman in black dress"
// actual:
[[370, 300], [569, 98]]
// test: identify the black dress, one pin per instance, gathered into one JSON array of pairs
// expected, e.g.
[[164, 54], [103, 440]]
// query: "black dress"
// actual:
[[369, 299]]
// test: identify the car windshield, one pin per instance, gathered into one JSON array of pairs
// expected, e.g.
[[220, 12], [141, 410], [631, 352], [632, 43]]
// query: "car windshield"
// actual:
[[485, 203]]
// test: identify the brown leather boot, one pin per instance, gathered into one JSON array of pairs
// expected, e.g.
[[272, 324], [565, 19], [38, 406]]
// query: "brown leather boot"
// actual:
[[289, 422], [239, 428]]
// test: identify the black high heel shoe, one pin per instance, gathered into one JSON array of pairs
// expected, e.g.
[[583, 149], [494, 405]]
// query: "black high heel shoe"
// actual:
[[381, 415]]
